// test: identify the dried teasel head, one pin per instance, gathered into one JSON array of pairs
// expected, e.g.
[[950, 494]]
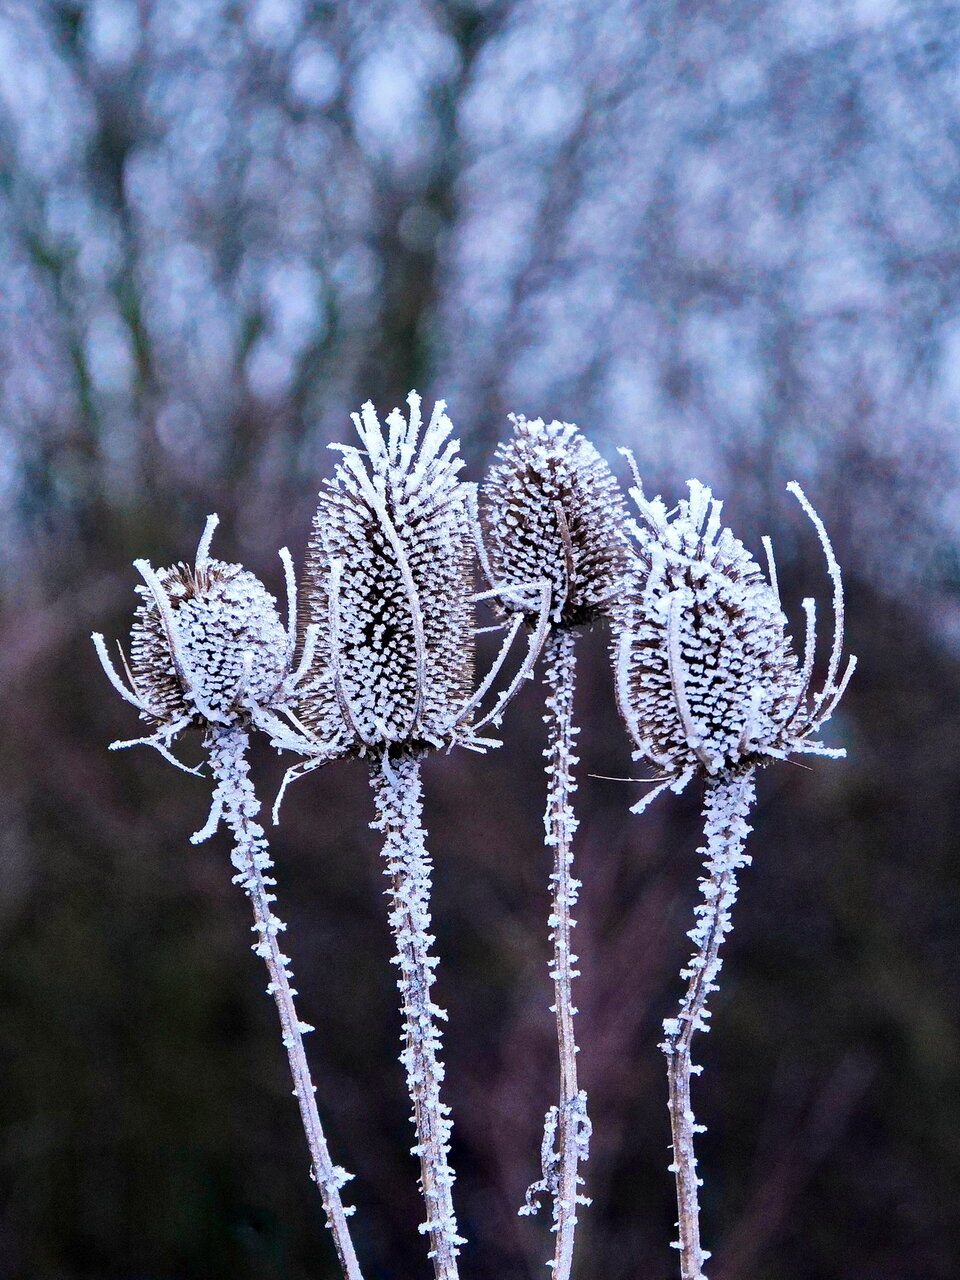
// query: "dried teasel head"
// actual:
[[552, 511], [207, 647], [707, 678], [387, 605]]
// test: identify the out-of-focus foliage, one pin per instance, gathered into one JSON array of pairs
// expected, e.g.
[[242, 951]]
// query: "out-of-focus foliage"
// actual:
[[726, 235]]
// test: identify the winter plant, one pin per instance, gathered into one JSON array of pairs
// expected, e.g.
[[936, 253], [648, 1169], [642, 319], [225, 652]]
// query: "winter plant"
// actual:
[[377, 661], [389, 590], [209, 651], [552, 511], [710, 686]]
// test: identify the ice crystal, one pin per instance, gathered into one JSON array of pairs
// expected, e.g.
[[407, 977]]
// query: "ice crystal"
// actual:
[[553, 512], [707, 678], [207, 647]]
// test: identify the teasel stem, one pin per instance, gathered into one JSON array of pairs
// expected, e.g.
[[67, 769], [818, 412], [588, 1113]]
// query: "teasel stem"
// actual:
[[398, 795], [236, 802], [726, 807], [570, 1117]]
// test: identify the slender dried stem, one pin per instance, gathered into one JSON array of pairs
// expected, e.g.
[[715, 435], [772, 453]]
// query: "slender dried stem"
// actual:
[[725, 810], [236, 801], [398, 793], [568, 1120]]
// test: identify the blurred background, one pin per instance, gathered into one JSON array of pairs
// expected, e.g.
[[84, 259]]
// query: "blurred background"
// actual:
[[724, 234]]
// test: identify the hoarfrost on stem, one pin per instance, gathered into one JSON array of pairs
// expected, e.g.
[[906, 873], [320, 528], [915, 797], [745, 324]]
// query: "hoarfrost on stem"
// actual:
[[236, 800], [727, 803], [397, 790]]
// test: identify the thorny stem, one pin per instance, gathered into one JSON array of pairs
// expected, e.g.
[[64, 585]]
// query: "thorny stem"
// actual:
[[726, 806], [235, 799], [398, 791], [569, 1118]]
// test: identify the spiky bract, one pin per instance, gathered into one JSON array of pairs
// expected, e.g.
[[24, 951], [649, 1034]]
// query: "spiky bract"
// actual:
[[707, 677], [553, 512], [388, 586]]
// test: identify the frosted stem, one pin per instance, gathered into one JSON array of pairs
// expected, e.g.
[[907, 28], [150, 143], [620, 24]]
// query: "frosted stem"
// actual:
[[726, 807], [239, 806], [398, 792], [572, 1125]]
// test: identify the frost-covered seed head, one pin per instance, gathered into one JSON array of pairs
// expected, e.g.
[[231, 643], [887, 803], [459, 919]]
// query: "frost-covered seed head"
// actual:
[[707, 677], [388, 585], [228, 649], [553, 512], [207, 648]]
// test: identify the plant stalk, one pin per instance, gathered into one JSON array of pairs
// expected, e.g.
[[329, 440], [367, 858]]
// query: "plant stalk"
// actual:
[[398, 794], [726, 807], [570, 1116], [236, 801]]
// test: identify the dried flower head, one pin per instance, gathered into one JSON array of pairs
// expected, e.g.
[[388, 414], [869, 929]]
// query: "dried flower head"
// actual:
[[388, 602], [388, 587], [208, 647], [707, 678], [553, 512]]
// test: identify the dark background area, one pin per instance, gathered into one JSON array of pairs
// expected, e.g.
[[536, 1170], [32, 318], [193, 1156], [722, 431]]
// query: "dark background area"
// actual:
[[726, 235]]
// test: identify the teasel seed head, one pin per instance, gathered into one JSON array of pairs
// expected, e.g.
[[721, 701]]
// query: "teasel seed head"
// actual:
[[207, 647], [552, 511], [708, 681], [388, 587]]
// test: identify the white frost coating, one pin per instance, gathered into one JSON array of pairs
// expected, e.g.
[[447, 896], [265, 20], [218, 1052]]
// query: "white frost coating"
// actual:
[[397, 790], [707, 679], [235, 800], [391, 554]]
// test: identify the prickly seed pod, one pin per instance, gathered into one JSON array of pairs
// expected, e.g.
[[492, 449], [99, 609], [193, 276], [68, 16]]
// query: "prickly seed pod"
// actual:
[[388, 589], [707, 678], [207, 647], [553, 512]]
